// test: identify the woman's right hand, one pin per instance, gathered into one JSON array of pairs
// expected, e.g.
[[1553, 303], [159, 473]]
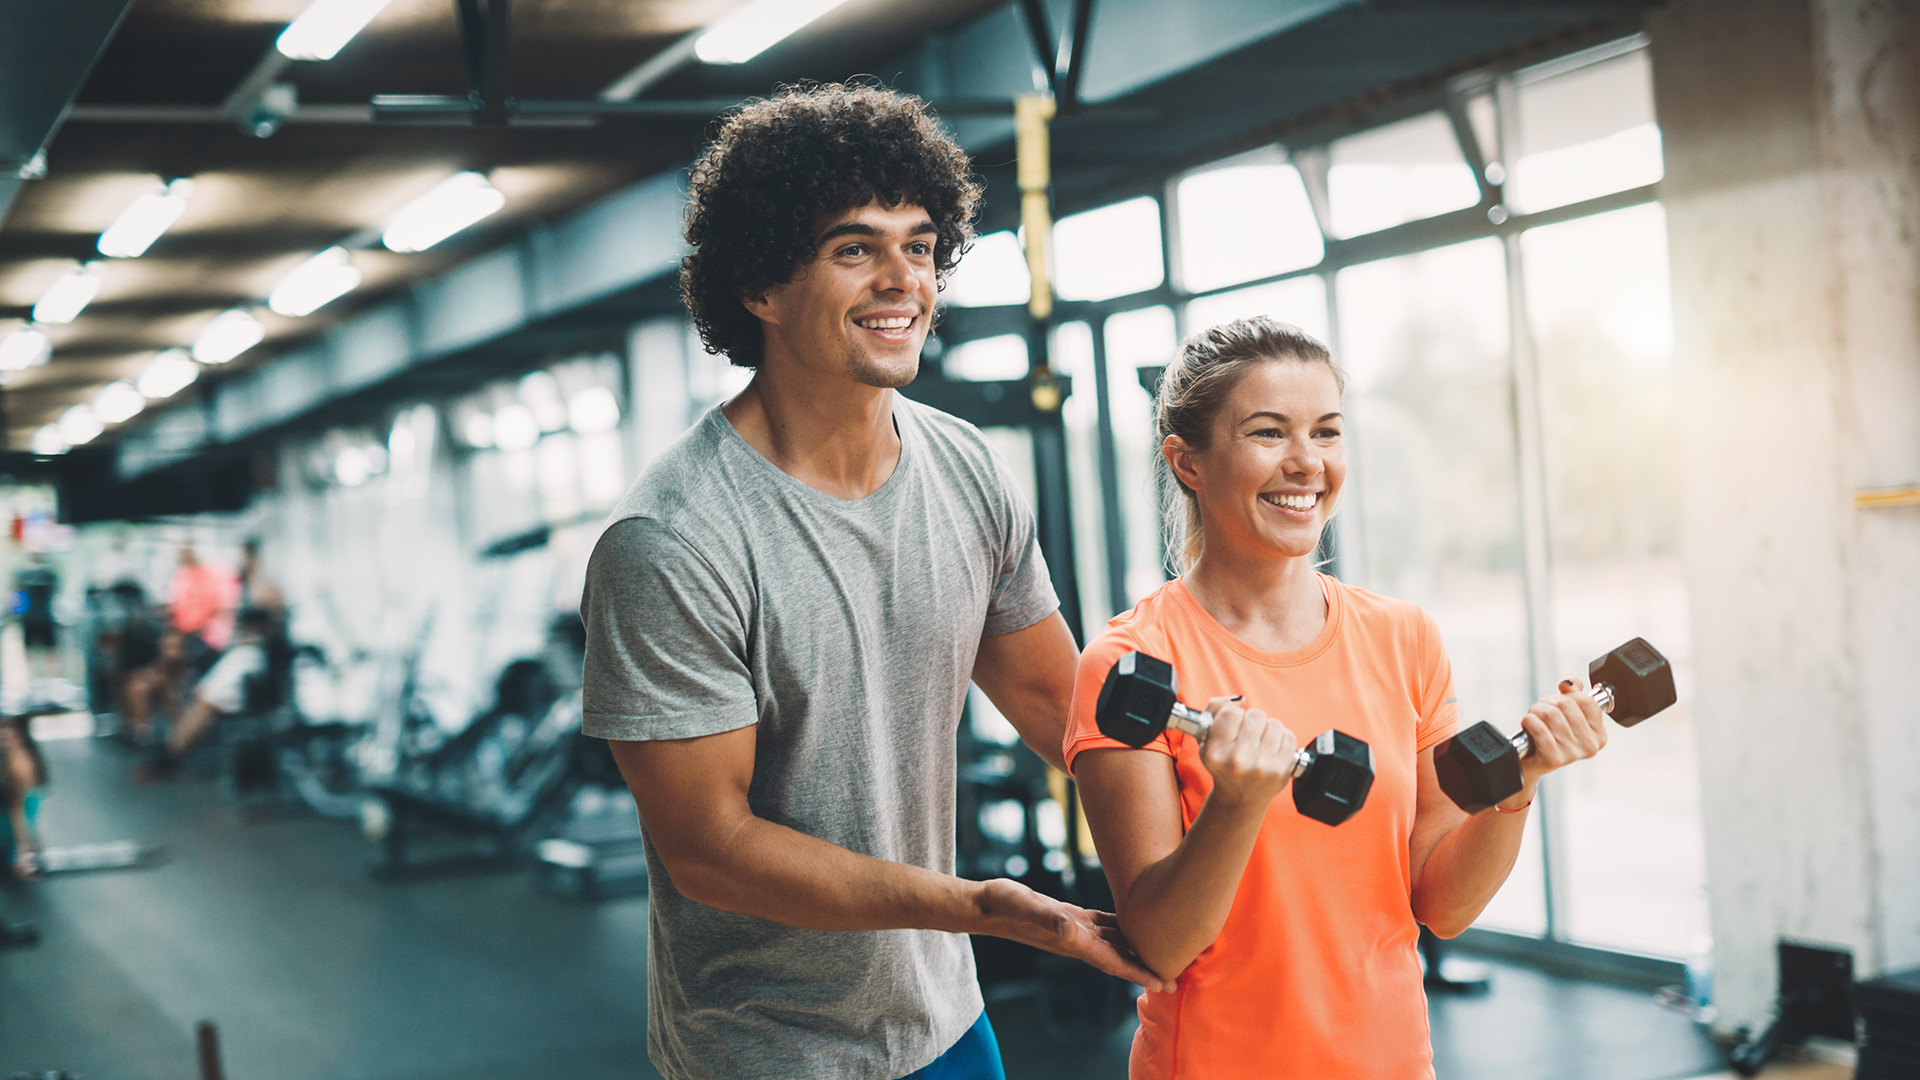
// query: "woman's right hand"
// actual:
[[1249, 754]]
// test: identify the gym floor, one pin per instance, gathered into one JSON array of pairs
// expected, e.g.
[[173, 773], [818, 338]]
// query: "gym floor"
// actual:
[[312, 971]]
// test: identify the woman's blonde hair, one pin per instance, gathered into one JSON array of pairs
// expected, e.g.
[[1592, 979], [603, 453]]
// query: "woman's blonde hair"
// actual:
[[1193, 388]]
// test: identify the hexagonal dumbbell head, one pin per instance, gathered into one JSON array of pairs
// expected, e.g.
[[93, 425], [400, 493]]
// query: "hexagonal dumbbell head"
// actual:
[[1136, 699], [1478, 767], [1335, 785], [1641, 679]]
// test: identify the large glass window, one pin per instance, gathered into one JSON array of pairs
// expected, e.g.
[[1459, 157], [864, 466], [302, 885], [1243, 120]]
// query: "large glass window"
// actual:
[[992, 272], [1136, 339], [1584, 133], [1398, 173], [1244, 221], [1435, 510], [1432, 511], [1301, 301], [1109, 252], [1600, 309]]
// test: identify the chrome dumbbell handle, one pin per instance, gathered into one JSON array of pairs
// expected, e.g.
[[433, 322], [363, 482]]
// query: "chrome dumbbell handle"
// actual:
[[1602, 696], [1197, 724]]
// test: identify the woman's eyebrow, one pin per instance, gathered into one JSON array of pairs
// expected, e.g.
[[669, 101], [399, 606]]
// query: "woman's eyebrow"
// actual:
[[1282, 417]]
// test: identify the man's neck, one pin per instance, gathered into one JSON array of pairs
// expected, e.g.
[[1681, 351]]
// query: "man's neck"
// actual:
[[834, 435]]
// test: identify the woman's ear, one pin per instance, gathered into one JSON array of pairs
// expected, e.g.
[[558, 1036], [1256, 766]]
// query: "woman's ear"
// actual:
[[1180, 459]]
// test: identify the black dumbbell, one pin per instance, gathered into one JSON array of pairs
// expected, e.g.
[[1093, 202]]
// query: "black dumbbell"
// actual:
[[1141, 698], [1479, 766]]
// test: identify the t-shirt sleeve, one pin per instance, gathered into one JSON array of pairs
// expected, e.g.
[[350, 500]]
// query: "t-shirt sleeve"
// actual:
[[1022, 592], [666, 640], [1433, 691], [1083, 732]]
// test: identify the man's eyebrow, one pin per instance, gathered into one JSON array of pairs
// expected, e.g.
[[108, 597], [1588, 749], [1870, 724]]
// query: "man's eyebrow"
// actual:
[[861, 228]]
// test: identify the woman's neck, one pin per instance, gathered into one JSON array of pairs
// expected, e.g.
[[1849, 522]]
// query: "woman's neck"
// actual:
[[1275, 605]]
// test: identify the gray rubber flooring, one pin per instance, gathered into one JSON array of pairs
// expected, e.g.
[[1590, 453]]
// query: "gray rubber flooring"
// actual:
[[312, 971]]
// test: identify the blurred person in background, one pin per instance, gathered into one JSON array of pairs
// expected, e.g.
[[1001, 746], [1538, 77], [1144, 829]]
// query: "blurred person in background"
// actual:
[[23, 772], [259, 650], [201, 600], [257, 590], [34, 587]]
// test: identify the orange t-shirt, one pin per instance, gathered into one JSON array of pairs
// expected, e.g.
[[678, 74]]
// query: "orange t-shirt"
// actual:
[[1316, 973]]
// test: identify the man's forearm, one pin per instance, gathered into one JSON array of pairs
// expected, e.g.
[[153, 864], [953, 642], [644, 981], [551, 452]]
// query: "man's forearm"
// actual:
[[773, 872]]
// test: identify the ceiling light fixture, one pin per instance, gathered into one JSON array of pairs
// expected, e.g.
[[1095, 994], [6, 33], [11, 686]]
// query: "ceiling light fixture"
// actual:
[[118, 401], [454, 204], [167, 374], [69, 294], [315, 283], [139, 225], [47, 441], [749, 31], [325, 28], [227, 336], [593, 410], [78, 425], [24, 348]]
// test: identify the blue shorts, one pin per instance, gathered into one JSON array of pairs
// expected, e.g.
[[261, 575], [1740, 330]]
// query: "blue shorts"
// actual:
[[975, 1057]]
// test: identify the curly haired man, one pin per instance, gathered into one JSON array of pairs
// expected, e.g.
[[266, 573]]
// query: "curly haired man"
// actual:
[[784, 613]]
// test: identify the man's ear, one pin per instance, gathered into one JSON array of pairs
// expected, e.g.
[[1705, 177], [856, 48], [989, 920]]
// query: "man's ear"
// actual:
[[761, 307], [1180, 459]]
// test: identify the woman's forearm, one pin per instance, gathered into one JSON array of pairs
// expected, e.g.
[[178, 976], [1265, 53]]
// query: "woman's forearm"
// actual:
[[1468, 866], [1178, 905]]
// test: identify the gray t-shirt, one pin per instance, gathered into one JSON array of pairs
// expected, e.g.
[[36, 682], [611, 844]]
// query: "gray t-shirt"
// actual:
[[726, 593]]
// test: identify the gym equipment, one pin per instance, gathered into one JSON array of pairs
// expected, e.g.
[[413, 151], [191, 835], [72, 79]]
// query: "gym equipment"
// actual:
[[1816, 998], [1890, 1009], [19, 935], [113, 855], [1140, 699], [1479, 766]]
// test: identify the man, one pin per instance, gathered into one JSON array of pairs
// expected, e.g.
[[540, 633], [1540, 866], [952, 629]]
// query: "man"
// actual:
[[784, 613]]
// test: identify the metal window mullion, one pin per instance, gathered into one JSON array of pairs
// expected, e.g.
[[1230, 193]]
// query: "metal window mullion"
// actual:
[[1113, 527], [1535, 545]]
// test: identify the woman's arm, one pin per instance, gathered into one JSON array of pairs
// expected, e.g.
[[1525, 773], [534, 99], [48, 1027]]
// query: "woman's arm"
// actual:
[[1173, 893], [1460, 861]]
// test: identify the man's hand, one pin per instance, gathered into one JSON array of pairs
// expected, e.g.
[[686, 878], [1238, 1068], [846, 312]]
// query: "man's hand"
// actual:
[[1013, 911]]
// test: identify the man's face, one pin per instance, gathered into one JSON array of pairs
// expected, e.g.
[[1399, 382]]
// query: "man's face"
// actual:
[[861, 307]]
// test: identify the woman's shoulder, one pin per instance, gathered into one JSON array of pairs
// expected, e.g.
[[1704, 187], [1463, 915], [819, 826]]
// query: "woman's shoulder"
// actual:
[[1145, 625], [1378, 613]]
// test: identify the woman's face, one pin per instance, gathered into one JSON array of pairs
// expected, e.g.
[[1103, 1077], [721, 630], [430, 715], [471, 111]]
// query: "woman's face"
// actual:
[[1272, 476]]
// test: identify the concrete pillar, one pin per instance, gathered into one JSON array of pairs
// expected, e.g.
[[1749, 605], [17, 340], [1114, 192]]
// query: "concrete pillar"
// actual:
[[1792, 132]]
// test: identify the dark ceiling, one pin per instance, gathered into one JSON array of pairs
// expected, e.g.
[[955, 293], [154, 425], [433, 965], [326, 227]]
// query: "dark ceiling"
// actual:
[[261, 206]]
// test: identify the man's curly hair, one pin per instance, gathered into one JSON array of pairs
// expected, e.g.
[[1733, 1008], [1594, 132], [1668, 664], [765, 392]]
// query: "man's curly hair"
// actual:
[[778, 166]]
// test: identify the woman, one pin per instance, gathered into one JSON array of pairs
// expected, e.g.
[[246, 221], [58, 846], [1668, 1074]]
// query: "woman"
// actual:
[[23, 772], [1294, 943]]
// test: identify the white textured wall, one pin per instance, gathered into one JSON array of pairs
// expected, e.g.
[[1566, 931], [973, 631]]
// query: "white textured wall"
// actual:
[[1791, 129]]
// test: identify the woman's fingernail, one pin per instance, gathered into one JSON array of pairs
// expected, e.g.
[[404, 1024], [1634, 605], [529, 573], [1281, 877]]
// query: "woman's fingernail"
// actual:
[[1237, 697]]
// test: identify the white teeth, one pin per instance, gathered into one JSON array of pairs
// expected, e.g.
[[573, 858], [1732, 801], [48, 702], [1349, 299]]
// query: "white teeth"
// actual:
[[1303, 501], [897, 323]]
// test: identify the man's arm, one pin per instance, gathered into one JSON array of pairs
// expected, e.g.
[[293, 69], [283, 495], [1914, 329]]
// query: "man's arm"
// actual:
[[1028, 675], [692, 794]]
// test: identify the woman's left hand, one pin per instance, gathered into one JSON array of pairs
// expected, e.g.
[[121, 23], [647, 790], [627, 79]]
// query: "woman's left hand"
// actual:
[[1565, 727]]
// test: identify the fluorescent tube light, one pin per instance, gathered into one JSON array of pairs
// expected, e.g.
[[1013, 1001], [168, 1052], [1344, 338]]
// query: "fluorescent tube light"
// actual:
[[315, 283], [141, 224], [68, 295], [79, 425], [118, 401], [47, 441], [24, 348], [227, 336], [167, 374], [748, 32], [453, 204], [325, 28]]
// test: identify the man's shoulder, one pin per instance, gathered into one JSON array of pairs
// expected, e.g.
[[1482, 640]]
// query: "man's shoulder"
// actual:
[[957, 451]]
